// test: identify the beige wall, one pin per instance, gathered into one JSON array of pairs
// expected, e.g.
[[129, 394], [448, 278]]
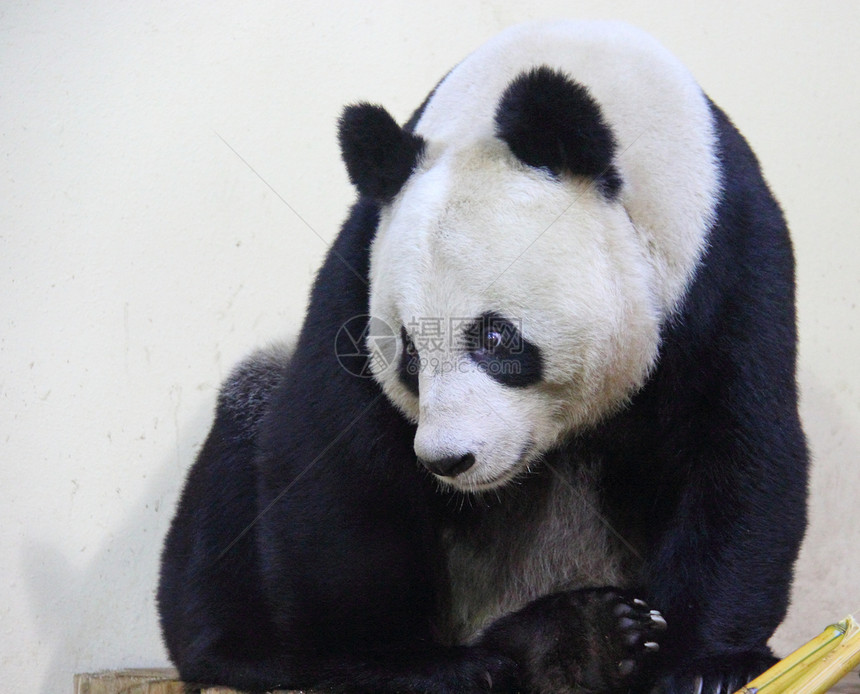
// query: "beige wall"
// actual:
[[141, 257]]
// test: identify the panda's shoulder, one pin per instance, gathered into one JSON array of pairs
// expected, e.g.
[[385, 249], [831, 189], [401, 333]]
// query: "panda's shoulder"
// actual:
[[245, 396]]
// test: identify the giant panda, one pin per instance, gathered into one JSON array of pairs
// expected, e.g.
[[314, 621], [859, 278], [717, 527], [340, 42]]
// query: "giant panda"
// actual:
[[564, 453]]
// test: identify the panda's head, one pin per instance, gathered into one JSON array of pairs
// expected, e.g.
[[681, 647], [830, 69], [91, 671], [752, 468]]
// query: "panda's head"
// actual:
[[526, 302]]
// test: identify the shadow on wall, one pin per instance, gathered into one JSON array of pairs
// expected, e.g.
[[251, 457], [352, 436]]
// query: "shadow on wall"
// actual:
[[104, 616], [828, 572]]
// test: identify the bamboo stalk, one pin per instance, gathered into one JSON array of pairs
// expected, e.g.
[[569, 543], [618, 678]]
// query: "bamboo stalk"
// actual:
[[814, 667], [835, 664]]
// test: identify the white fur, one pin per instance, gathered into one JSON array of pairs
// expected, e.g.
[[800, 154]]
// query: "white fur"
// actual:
[[592, 281]]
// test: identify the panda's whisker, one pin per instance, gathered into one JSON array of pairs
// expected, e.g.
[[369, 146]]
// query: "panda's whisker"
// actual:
[[527, 470]]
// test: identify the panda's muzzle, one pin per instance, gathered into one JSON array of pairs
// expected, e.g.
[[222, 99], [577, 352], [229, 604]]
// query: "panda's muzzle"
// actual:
[[450, 466]]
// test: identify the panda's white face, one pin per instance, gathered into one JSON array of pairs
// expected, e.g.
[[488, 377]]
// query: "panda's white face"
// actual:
[[528, 305], [524, 305]]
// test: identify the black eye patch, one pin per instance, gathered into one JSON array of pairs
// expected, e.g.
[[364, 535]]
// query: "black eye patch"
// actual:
[[409, 364], [497, 346]]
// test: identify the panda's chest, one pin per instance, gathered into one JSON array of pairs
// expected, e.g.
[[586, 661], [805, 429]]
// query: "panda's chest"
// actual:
[[519, 552]]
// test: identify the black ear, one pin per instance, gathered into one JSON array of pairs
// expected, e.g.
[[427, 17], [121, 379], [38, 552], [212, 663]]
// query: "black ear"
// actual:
[[378, 153], [550, 121]]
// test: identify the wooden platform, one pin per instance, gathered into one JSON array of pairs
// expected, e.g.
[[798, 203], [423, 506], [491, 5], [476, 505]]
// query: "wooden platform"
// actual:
[[156, 681], [143, 681]]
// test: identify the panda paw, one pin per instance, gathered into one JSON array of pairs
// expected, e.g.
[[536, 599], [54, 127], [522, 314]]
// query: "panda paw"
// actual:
[[638, 630], [594, 639], [721, 675]]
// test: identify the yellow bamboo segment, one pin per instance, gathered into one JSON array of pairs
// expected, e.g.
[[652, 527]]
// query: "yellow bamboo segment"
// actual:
[[772, 681], [814, 667], [834, 665]]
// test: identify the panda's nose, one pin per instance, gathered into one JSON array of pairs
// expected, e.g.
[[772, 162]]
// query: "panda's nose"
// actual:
[[450, 466]]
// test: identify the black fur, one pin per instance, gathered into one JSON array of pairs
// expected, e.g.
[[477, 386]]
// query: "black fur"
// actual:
[[409, 365], [550, 121], [378, 153], [309, 553]]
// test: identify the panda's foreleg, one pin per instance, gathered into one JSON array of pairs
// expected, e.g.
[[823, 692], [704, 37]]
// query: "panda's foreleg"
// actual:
[[350, 569], [729, 451], [328, 589], [721, 574]]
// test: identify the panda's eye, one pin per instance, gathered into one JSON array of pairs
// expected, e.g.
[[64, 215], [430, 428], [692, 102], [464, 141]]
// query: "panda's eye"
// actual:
[[492, 339], [491, 335], [497, 346], [409, 346]]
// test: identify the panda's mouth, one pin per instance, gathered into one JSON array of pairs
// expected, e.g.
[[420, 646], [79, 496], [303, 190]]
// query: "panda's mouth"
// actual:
[[474, 482]]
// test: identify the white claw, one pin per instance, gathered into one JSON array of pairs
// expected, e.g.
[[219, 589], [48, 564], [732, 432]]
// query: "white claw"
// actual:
[[698, 683], [639, 602], [651, 646], [658, 619]]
